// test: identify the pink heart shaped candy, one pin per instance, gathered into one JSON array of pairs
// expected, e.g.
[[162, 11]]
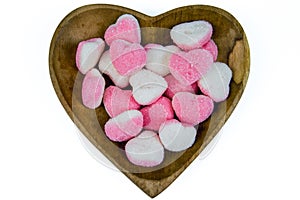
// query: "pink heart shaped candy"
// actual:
[[189, 67], [192, 109], [157, 113], [127, 57], [117, 101], [92, 89], [126, 28], [124, 126], [212, 48]]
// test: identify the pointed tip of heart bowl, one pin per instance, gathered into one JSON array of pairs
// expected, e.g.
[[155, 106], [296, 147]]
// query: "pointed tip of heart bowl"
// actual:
[[92, 21]]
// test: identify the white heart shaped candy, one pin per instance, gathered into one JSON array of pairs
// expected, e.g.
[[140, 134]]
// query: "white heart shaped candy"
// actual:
[[145, 149], [215, 83], [88, 54], [191, 35], [177, 136], [147, 86]]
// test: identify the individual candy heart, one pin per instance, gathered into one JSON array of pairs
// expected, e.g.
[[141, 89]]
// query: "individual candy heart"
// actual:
[[191, 35], [158, 58], [157, 113], [215, 83], [145, 150], [147, 86], [127, 57], [88, 54], [192, 109], [175, 86], [117, 101], [124, 126], [176, 136], [189, 67], [126, 28], [212, 48], [92, 89], [106, 67]]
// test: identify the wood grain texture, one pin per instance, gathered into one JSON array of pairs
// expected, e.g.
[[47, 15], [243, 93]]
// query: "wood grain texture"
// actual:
[[92, 21]]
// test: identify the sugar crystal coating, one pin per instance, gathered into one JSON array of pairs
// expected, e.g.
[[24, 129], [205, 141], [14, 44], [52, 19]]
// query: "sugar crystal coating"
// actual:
[[157, 113], [147, 86], [158, 58], [127, 57], [175, 86], [88, 54], [126, 28], [215, 83], [92, 89], [177, 136], [124, 126], [106, 67], [212, 48], [117, 101], [145, 150], [189, 67], [191, 35], [192, 109]]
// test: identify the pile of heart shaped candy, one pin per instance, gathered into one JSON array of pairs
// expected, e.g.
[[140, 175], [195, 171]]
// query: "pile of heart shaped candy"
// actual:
[[164, 103]]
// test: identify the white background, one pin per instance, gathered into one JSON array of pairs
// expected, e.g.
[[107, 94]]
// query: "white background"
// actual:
[[257, 156]]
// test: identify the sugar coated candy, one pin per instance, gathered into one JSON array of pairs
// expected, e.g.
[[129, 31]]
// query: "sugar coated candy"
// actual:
[[92, 89], [147, 86], [191, 35], [124, 126], [145, 150], [191, 108], [88, 54], [126, 28], [176, 136]]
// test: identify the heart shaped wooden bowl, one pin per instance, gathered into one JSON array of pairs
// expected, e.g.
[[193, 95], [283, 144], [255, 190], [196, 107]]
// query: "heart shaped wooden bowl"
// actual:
[[92, 21]]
